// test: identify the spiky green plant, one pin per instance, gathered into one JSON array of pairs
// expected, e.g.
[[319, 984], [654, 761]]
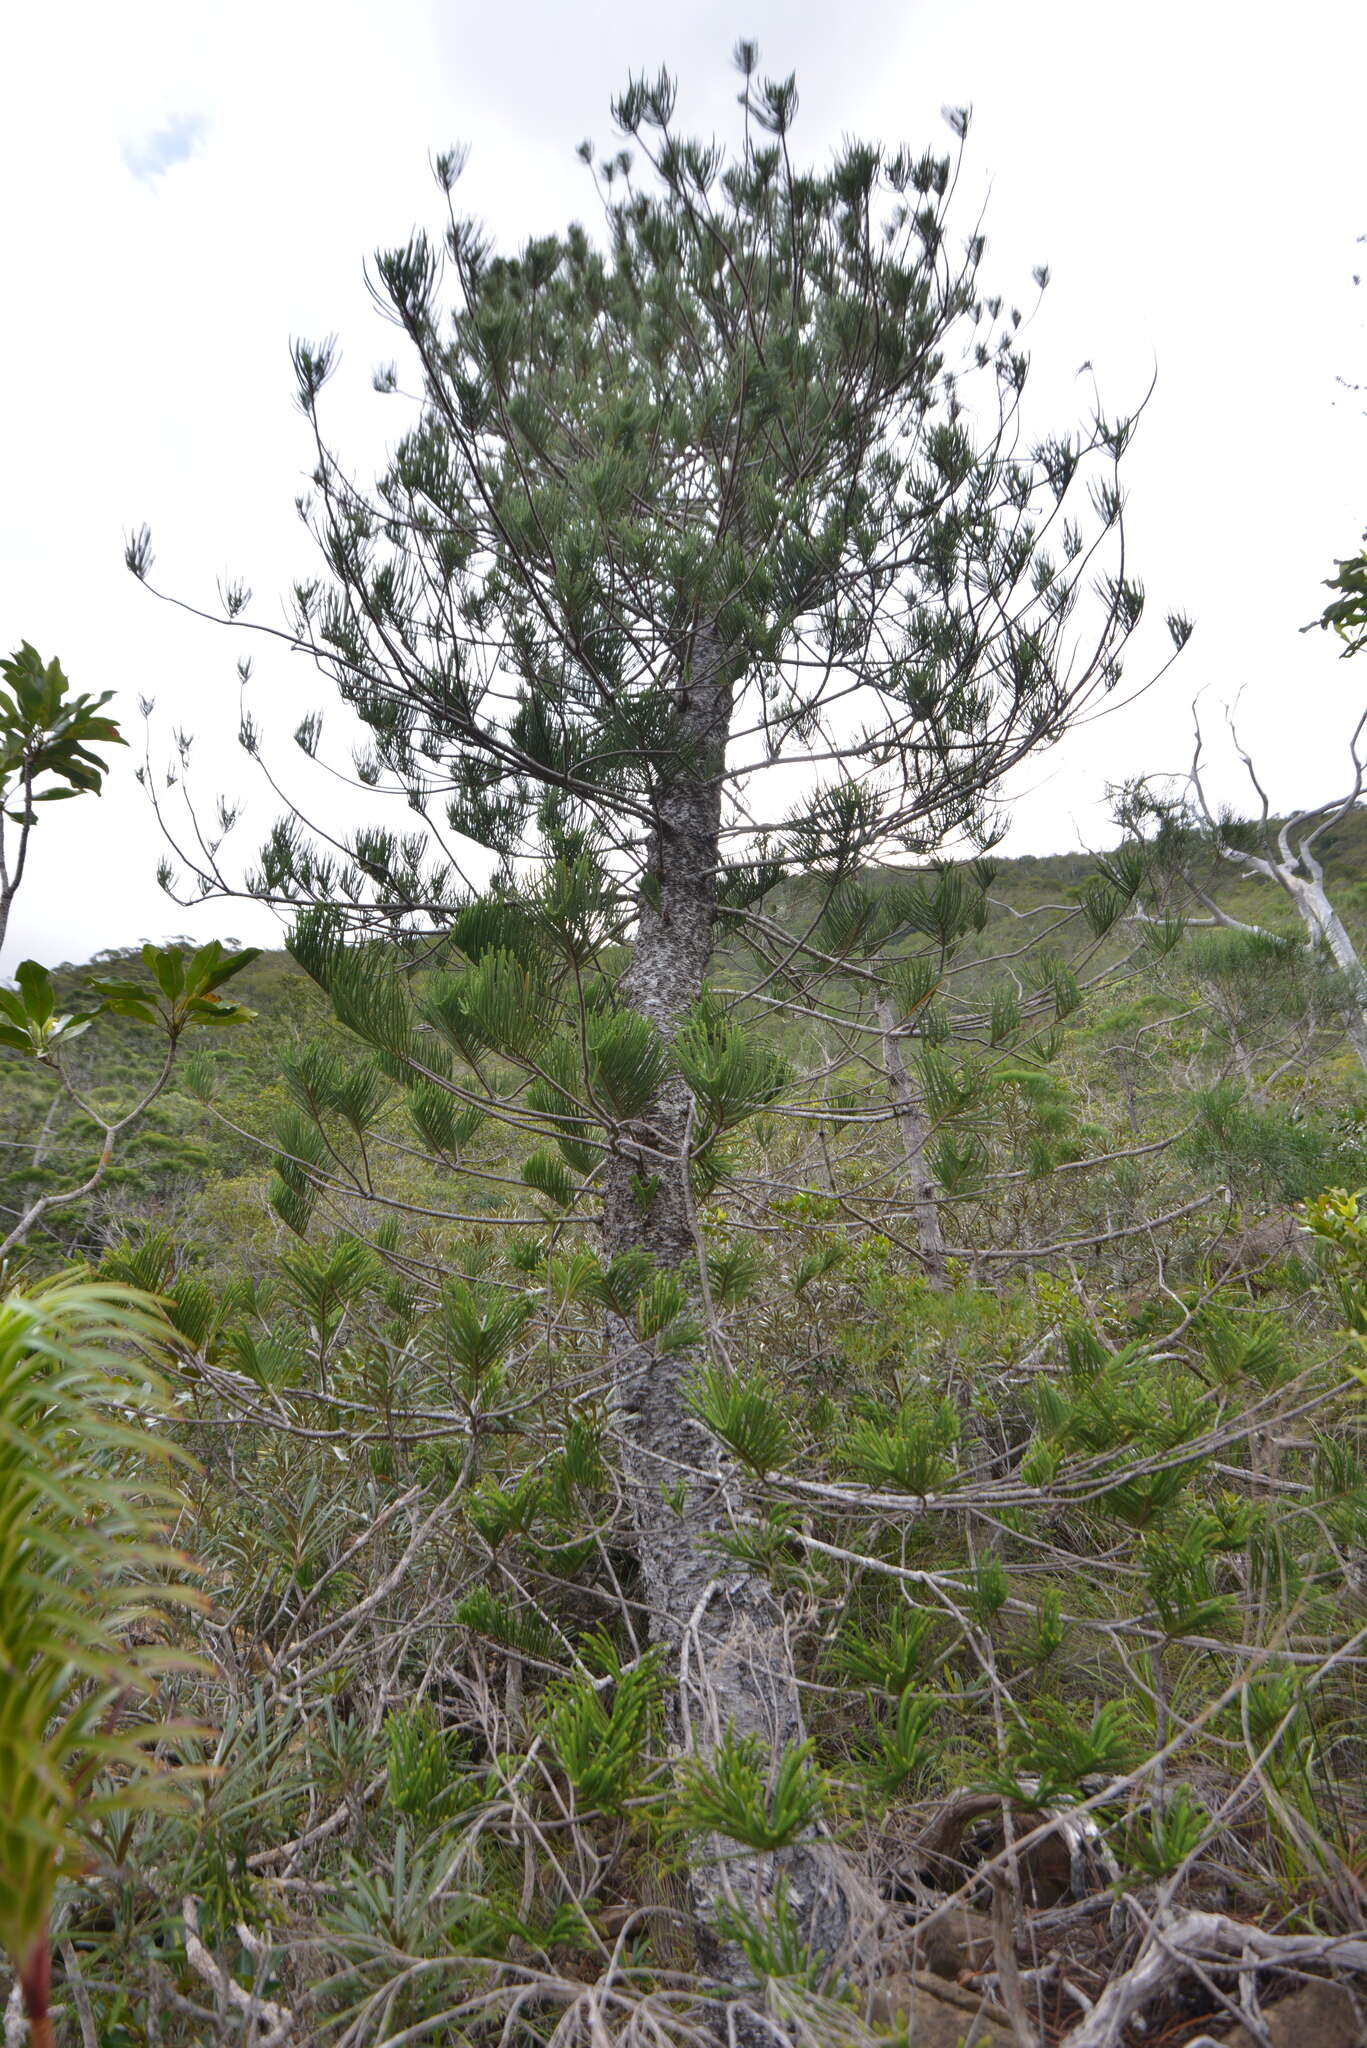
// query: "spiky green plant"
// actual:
[[600, 1740], [743, 1409], [913, 1452], [85, 1580], [1056, 1749], [749, 1795], [906, 1747]]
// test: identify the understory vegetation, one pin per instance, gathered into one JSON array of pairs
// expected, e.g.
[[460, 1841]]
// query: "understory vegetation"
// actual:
[[1070, 1539]]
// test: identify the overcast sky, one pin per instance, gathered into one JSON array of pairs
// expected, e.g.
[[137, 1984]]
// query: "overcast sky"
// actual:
[[187, 186]]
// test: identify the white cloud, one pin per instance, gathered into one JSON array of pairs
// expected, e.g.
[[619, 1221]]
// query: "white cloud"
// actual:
[[174, 142]]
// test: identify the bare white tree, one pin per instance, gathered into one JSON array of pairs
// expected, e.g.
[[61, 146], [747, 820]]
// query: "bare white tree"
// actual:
[[1282, 851], [1285, 855]]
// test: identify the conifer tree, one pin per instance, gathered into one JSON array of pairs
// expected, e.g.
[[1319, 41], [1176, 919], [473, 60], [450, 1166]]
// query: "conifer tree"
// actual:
[[717, 551]]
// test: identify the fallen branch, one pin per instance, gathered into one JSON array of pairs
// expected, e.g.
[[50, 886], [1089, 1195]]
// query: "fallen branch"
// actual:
[[275, 2021], [80, 1997], [1177, 1942], [261, 1859]]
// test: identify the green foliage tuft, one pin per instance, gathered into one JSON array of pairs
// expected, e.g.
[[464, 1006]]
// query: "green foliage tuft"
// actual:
[[745, 1412], [743, 1792]]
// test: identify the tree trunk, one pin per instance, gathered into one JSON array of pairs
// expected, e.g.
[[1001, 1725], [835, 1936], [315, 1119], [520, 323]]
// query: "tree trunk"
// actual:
[[1325, 925], [914, 1130], [718, 1620]]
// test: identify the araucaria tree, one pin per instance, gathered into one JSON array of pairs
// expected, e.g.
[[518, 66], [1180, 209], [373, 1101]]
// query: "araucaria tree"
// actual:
[[718, 549]]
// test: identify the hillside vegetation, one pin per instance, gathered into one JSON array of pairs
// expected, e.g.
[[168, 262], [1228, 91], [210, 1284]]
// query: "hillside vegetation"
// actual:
[[1072, 1539], [207, 1176]]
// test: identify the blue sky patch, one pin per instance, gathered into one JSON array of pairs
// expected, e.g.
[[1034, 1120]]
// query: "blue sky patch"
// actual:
[[171, 144]]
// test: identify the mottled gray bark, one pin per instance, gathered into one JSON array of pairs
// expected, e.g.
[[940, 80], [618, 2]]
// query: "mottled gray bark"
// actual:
[[719, 1621], [914, 1131]]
